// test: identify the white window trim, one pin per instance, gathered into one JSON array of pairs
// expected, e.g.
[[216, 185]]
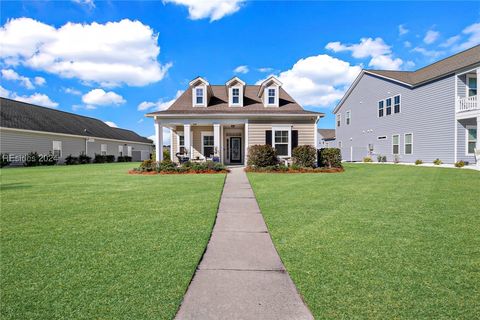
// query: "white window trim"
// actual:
[[276, 102], [348, 116], [102, 147], [194, 96], [338, 122], [393, 105], [466, 138], [120, 150], [393, 135], [340, 144], [240, 96], [180, 133], [386, 107], [207, 133], [405, 143], [60, 146], [469, 76], [283, 128], [383, 108], [129, 151]]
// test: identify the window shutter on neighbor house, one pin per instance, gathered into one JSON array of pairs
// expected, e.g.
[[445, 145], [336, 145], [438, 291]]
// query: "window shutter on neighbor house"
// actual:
[[268, 137], [294, 139]]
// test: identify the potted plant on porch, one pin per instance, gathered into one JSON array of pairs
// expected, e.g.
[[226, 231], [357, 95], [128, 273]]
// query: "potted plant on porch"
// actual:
[[216, 156]]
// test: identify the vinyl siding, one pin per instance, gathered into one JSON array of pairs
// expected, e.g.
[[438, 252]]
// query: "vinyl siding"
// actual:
[[428, 112], [462, 139], [196, 132], [21, 143], [306, 131]]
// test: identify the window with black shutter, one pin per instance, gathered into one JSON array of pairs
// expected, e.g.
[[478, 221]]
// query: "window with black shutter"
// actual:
[[268, 137]]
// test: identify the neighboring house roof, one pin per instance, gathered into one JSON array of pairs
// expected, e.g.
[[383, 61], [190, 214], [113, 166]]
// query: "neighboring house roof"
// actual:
[[327, 134], [432, 72], [218, 104], [20, 115]]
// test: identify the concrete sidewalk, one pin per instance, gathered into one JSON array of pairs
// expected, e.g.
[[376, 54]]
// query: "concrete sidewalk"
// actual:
[[241, 275]]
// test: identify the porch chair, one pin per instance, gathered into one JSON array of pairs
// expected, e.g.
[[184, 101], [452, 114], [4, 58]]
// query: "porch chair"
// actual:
[[181, 157]]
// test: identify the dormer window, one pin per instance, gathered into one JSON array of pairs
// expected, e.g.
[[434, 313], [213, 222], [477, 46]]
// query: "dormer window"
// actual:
[[235, 95], [271, 96], [199, 95]]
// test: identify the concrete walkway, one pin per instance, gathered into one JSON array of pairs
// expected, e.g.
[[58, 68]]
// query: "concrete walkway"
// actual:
[[241, 275]]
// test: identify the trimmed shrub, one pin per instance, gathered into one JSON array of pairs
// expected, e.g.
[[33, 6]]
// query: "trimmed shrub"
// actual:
[[330, 158], [381, 158], [48, 160], [166, 153], [70, 160], [124, 159], [460, 164], [110, 158], [262, 156], [84, 159], [418, 162], [32, 159], [367, 159], [437, 162], [4, 160], [304, 156], [148, 165]]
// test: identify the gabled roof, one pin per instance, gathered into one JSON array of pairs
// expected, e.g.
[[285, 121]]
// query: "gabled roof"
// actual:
[[197, 80], [235, 80], [20, 115], [327, 134], [218, 104], [448, 66], [267, 82]]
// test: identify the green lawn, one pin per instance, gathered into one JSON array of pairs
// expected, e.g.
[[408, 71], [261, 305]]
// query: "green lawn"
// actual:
[[92, 242], [379, 241]]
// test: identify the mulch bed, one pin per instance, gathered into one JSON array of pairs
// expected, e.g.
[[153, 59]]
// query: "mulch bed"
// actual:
[[151, 173], [302, 170]]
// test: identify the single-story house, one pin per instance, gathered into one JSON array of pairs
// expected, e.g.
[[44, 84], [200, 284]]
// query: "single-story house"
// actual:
[[326, 138], [26, 128], [223, 121]]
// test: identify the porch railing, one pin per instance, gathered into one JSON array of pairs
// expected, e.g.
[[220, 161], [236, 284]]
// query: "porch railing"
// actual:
[[467, 104]]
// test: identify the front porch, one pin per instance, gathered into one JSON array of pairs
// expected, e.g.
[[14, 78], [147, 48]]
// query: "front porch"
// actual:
[[224, 141], [467, 104]]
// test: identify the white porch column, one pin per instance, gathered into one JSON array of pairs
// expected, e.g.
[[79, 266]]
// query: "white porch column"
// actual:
[[246, 142], [478, 134], [188, 143], [478, 100], [216, 139], [159, 141], [172, 153]]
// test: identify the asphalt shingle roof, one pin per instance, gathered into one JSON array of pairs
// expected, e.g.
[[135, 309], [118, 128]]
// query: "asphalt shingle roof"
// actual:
[[20, 115], [218, 103], [327, 133]]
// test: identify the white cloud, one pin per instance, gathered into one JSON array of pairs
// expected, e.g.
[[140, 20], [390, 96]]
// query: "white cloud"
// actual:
[[110, 54], [431, 36], [407, 44], [36, 98], [212, 9], [402, 30], [98, 97], [265, 69], [428, 53], [39, 81], [10, 74], [241, 69], [473, 34], [89, 3], [450, 41], [140, 120], [386, 62], [72, 91], [160, 105], [166, 137], [4, 92], [318, 81], [111, 124], [376, 49]]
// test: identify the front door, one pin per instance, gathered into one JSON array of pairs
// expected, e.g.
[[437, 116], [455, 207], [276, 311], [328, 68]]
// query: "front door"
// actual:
[[235, 150]]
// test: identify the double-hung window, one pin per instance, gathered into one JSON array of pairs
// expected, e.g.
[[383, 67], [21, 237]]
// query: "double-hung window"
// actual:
[[208, 145], [348, 117], [396, 104], [395, 144], [129, 151], [235, 95], [103, 149], [471, 139], [271, 96], [120, 151], [380, 108], [388, 103], [408, 143], [181, 144], [57, 149], [339, 118], [472, 86], [281, 142], [199, 95]]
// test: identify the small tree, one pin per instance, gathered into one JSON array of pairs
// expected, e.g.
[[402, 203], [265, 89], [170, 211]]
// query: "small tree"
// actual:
[[330, 158], [304, 156], [262, 156]]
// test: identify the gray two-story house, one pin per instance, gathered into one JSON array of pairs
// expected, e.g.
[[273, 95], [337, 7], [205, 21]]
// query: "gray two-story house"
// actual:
[[426, 114]]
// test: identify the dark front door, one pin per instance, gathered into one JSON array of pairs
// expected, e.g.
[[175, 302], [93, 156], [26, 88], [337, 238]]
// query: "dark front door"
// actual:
[[235, 150]]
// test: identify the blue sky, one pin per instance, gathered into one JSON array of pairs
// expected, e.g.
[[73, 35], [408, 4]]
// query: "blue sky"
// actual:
[[117, 61]]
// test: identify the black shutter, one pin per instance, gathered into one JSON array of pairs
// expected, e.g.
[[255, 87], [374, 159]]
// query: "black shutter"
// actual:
[[294, 139], [268, 137]]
